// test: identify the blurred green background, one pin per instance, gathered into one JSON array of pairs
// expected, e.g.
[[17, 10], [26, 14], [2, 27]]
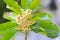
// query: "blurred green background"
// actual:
[[2, 9]]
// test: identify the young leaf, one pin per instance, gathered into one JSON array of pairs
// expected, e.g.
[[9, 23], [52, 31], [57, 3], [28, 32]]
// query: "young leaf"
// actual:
[[12, 5], [29, 2], [10, 15], [6, 26], [42, 16], [34, 4], [8, 35], [50, 28], [24, 4]]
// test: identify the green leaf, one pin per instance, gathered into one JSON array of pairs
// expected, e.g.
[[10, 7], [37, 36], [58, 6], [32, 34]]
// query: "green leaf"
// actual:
[[6, 26], [24, 4], [50, 28], [29, 2], [36, 27], [46, 28], [42, 16], [8, 35], [12, 5], [10, 15], [34, 4]]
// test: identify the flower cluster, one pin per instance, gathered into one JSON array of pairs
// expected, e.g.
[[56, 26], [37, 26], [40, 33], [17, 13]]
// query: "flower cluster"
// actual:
[[24, 21]]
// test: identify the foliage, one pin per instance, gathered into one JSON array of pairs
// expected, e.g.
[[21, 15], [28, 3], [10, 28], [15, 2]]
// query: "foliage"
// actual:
[[40, 22], [2, 9]]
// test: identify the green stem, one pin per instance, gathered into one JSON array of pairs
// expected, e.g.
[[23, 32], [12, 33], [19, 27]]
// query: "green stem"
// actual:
[[26, 35]]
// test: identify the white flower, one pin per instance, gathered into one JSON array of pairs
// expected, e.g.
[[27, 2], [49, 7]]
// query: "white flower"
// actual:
[[24, 21]]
